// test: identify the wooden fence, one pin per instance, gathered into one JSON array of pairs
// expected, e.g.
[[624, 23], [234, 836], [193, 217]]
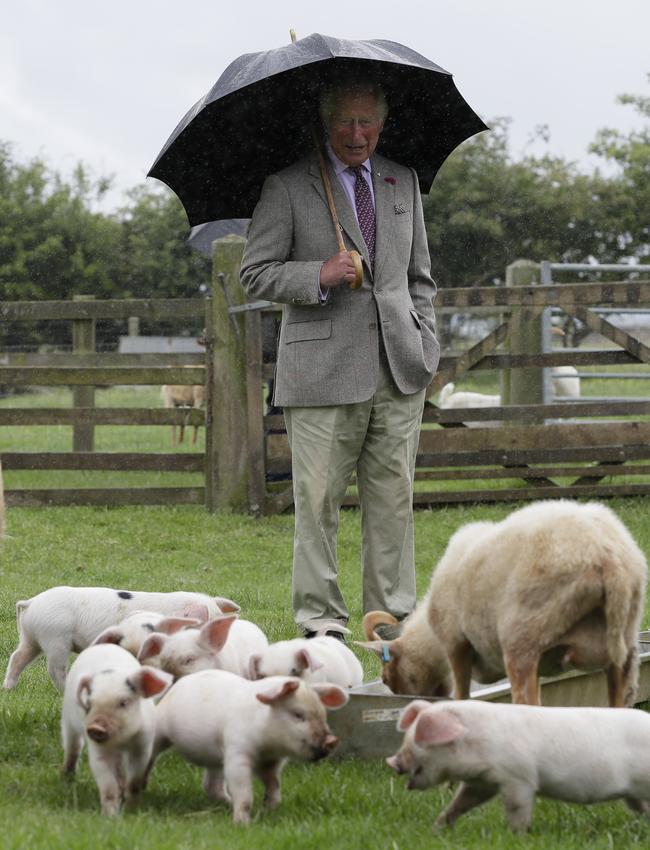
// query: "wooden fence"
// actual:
[[522, 449]]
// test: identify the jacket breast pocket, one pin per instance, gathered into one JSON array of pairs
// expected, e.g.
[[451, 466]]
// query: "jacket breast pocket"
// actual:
[[305, 331]]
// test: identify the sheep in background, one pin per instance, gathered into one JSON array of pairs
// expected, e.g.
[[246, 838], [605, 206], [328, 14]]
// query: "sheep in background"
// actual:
[[556, 585], [450, 399], [183, 395], [566, 381]]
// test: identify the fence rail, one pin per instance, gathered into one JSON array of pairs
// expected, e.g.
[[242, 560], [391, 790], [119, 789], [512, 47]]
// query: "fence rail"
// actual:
[[524, 448]]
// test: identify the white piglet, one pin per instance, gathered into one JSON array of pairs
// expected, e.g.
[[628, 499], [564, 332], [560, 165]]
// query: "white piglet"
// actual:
[[223, 643], [318, 659], [579, 755], [132, 632], [238, 729], [62, 620], [106, 703]]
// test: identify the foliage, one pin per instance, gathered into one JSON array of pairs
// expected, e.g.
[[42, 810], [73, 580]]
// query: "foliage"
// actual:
[[485, 211], [632, 155]]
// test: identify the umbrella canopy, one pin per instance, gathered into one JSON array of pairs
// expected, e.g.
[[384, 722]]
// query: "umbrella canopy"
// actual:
[[203, 235], [258, 118]]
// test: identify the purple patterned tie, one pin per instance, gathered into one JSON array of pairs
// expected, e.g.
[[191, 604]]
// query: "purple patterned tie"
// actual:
[[365, 211]]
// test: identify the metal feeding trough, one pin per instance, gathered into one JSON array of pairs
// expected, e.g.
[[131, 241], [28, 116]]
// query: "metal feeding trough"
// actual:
[[367, 725]]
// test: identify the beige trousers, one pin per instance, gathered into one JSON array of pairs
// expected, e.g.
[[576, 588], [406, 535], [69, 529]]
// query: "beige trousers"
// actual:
[[378, 439]]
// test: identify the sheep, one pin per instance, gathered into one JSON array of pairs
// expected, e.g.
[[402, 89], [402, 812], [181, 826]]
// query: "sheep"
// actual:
[[566, 381], [183, 395], [450, 399], [556, 585], [413, 663]]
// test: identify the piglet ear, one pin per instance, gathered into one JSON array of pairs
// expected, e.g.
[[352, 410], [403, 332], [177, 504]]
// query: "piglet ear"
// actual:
[[332, 696], [148, 681], [83, 692], [278, 692], [151, 647], [435, 728], [171, 625], [215, 632], [227, 606], [254, 666], [304, 660], [411, 713], [111, 635], [197, 611]]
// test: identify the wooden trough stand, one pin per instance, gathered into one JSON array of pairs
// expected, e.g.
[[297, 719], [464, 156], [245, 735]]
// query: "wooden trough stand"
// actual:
[[367, 725]]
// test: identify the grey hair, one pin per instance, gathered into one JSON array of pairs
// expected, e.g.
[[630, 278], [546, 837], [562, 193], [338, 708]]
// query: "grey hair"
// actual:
[[332, 96]]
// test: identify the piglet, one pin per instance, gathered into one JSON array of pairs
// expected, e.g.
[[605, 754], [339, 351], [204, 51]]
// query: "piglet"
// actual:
[[237, 729], [580, 755], [318, 659], [62, 620], [106, 702], [132, 632], [223, 643]]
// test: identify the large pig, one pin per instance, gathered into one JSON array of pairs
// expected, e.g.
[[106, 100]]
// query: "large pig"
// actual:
[[238, 729], [318, 659], [223, 643], [580, 755], [62, 620], [106, 703]]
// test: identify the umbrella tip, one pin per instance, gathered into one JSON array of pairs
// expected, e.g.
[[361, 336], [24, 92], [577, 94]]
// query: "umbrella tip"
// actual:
[[292, 33]]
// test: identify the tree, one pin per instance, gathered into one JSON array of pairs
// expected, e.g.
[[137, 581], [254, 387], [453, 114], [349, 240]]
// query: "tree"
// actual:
[[631, 153], [485, 211]]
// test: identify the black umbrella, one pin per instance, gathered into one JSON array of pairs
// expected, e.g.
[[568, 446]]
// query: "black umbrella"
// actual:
[[203, 235], [258, 118]]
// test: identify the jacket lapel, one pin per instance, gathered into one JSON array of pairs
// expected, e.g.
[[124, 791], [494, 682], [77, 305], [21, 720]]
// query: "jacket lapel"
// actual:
[[384, 211]]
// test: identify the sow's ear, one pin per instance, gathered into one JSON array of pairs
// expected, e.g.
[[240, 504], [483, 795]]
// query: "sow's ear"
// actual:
[[435, 728]]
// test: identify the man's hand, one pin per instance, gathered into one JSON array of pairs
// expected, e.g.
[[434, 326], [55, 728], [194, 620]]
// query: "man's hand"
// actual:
[[337, 270]]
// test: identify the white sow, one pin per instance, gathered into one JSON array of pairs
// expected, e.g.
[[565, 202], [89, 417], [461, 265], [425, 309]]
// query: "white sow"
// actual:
[[106, 703], [237, 729], [580, 755]]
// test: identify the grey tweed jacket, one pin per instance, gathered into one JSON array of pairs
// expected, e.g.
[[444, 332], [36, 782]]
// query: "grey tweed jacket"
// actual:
[[328, 353]]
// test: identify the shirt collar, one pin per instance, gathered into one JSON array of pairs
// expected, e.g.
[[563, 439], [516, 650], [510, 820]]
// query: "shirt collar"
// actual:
[[339, 166]]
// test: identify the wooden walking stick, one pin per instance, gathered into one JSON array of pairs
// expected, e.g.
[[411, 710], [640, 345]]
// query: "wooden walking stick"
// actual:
[[355, 256]]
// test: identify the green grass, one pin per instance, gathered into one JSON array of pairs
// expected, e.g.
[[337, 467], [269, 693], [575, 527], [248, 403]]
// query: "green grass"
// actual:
[[335, 804]]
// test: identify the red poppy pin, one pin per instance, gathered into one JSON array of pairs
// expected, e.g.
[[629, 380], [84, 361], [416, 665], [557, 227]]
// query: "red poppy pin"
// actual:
[[390, 180]]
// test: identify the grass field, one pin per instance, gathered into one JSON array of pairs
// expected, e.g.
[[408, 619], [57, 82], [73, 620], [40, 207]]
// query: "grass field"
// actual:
[[342, 804], [335, 804]]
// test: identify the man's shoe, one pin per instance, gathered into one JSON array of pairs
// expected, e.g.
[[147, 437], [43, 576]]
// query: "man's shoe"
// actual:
[[388, 631], [335, 630]]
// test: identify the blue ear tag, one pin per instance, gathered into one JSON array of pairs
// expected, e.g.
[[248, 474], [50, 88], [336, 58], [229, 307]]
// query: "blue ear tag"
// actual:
[[385, 653]]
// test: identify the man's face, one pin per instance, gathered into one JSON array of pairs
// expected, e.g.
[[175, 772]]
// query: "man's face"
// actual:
[[354, 128]]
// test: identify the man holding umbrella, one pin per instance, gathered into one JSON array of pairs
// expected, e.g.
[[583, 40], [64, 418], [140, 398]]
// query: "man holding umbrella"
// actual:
[[353, 363]]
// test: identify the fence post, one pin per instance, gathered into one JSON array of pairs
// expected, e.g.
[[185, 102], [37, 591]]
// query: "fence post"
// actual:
[[83, 342], [226, 450], [523, 386]]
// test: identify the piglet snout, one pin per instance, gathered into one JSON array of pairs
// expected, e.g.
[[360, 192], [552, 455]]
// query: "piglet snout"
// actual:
[[325, 748], [98, 732]]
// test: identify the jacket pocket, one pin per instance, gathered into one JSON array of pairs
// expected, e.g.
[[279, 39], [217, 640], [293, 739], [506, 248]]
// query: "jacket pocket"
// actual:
[[304, 331]]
